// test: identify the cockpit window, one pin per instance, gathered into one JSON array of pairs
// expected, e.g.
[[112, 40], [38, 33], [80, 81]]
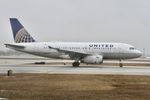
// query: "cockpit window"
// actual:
[[132, 48]]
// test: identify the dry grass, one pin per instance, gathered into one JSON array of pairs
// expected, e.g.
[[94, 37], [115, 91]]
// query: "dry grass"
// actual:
[[74, 87]]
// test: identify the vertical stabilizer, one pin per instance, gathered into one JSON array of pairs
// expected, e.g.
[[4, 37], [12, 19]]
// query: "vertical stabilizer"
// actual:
[[19, 32]]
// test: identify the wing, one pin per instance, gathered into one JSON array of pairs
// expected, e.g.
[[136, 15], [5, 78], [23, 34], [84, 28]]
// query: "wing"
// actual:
[[73, 54]]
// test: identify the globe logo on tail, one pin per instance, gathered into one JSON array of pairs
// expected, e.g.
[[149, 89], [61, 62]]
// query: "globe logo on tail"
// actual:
[[23, 36]]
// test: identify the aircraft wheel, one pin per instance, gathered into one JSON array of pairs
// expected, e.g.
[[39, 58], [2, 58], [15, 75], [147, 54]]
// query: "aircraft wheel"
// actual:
[[120, 63], [75, 64]]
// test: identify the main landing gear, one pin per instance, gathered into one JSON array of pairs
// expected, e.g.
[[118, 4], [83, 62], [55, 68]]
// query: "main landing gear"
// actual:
[[75, 64]]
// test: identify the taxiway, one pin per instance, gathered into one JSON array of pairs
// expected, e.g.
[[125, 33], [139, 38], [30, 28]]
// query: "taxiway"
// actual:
[[25, 65]]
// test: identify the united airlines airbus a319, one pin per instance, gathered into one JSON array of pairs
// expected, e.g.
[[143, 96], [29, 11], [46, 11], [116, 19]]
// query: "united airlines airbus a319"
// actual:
[[80, 52]]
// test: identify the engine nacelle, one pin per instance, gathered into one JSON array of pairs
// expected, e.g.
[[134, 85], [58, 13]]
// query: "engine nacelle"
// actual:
[[93, 59]]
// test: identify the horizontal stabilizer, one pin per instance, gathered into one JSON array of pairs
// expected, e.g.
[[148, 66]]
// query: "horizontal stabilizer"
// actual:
[[14, 46]]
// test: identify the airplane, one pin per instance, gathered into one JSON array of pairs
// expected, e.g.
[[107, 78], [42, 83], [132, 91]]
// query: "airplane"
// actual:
[[80, 52]]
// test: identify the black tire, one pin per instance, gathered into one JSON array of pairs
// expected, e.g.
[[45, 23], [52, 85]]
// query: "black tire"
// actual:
[[75, 64], [121, 64]]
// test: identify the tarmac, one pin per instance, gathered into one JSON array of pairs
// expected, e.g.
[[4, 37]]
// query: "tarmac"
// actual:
[[53, 66]]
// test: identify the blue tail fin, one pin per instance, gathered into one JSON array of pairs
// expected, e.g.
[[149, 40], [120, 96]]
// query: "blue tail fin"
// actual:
[[19, 32]]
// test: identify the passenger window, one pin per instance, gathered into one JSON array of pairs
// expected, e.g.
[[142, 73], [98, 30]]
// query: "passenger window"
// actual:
[[111, 45]]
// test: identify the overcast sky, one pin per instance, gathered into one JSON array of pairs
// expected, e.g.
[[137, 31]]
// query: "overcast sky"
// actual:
[[126, 21]]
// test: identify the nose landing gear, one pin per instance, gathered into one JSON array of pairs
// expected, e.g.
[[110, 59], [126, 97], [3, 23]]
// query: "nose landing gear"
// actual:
[[120, 63]]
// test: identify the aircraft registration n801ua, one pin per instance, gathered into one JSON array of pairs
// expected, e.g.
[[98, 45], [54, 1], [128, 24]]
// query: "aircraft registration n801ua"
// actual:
[[80, 52]]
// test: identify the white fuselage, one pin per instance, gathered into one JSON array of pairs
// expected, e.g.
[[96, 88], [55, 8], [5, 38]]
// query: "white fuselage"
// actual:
[[107, 50]]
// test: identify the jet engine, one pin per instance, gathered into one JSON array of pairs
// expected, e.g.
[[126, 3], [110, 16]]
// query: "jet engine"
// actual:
[[93, 59]]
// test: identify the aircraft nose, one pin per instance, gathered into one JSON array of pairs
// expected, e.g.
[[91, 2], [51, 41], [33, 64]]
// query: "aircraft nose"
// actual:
[[139, 53]]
